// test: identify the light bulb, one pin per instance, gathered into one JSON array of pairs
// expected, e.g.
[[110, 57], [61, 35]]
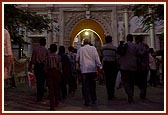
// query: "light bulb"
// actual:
[[86, 33]]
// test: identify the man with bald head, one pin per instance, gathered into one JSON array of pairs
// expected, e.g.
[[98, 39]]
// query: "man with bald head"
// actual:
[[89, 62]]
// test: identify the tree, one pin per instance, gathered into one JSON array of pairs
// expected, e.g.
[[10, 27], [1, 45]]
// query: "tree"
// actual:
[[156, 14], [14, 18]]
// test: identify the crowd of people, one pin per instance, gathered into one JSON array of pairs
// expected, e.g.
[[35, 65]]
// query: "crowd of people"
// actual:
[[134, 61], [60, 72], [55, 71]]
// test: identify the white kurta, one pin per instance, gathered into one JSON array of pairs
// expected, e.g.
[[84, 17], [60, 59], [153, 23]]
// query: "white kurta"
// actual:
[[88, 59]]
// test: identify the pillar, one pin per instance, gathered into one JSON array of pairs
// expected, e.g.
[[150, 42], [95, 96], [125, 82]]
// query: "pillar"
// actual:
[[54, 26], [61, 22], [49, 35], [114, 26], [126, 22], [151, 32]]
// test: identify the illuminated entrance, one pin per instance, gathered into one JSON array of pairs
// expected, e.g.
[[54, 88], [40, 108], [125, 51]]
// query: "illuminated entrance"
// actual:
[[90, 34], [87, 28]]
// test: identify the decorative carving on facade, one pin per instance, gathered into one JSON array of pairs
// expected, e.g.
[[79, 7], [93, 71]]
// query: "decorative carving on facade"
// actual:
[[72, 18], [69, 16], [115, 19], [103, 21]]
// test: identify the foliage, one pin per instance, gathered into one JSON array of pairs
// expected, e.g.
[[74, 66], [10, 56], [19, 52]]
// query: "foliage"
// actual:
[[15, 18], [156, 14]]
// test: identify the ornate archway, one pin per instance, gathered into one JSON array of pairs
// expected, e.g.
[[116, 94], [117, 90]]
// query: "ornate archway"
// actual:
[[78, 22], [87, 24]]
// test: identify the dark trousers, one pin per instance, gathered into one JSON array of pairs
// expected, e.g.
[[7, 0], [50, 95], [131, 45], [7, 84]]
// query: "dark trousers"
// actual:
[[54, 77], [141, 80], [64, 79], [153, 77], [128, 78], [72, 82], [40, 80], [63, 87], [110, 71], [89, 87]]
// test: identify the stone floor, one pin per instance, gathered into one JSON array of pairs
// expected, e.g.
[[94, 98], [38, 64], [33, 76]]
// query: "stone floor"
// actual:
[[22, 98]]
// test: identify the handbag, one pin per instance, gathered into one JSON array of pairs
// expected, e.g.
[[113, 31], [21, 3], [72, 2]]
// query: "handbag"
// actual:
[[31, 79]]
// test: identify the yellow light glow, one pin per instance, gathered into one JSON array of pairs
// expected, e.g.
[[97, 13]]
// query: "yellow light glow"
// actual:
[[86, 33], [84, 30]]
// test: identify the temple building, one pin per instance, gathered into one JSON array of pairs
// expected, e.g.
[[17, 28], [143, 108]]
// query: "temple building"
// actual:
[[74, 22]]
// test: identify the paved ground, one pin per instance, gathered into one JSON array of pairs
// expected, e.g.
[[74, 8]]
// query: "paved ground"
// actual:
[[23, 98]]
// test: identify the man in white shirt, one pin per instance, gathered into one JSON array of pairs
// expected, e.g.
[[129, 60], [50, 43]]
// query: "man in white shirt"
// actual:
[[89, 62]]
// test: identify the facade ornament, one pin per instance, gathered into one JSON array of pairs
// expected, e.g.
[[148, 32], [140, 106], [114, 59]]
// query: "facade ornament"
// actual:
[[87, 12], [121, 34], [87, 15]]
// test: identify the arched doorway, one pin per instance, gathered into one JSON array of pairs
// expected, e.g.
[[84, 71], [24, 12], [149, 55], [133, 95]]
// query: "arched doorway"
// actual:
[[90, 34], [92, 28]]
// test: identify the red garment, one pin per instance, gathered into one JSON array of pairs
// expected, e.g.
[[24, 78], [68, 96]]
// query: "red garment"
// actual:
[[39, 55], [53, 61], [54, 77], [8, 55], [31, 79], [53, 66]]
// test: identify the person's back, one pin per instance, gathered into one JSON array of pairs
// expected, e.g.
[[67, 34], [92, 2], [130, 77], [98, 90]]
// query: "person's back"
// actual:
[[66, 66], [53, 61], [109, 52], [73, 78], [129, 60], [122, 48], [72, 58], [53, 66], [38, 59], [110, 67], [142, 65], [142, 54], [88, 59], [39, 55], [66, 70], [128, 68]]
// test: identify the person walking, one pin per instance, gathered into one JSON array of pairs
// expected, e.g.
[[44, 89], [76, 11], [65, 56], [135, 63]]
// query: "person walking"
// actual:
[[128, 67], [8, 59], [53, 69], [38, 59], [66, 70], [142, 65], [8, 54], [110, 66], [73, 76], [89, 62], [153, 68]]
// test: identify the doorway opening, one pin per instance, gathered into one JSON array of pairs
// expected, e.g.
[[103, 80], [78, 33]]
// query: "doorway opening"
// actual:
[[89, 34]]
